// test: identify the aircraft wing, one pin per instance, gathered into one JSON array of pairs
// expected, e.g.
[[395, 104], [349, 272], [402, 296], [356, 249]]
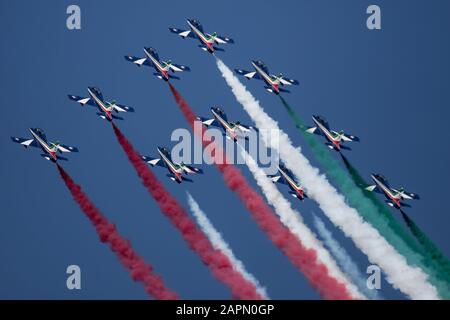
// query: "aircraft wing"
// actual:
[[178, 67], [153, 161], [248, 74], [66, 148], [81, 100], [245, 128], [348, 137], [183, 33], [121, 108], [313, 130], [209, 122], [189, 169], [287, 81], [25, 142], [277, 179], [407, 195], [139, 61], [221, 39], [372, 188]]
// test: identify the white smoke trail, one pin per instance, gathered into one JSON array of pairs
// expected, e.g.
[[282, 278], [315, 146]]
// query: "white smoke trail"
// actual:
[[410, 280], [220, 244], [293, 221], [344, 260]]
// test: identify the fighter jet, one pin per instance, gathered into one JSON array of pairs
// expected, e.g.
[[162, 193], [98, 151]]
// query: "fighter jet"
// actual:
[[273, 82], [285, 177], [232, 130], [394, 197], [162, 68], [105, 108], [176, 170], [208, 41], [335, 139], [50, 149]]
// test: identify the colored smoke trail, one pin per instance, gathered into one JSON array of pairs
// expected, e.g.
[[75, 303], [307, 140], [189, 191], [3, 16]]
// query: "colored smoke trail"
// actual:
[[218, 263], [431, 256], [430, 247], [139, 270], [219, 243], [344, 259], [293, 221], [355, 196], [375, 212], [302, 258], [383, 210], [410, 280]]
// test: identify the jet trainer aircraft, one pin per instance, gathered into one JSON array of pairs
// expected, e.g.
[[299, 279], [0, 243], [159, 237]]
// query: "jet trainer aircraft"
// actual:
[[162, 68], [335, 139], [208, 41], [232, 130], [285, 177], [106, 108], [273, 82], [50, 149], [176, 170], [394, 197]]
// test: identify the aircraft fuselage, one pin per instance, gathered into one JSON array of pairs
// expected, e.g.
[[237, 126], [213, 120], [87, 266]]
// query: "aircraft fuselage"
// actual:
[[335, 141], [101, 105], [388, 193], [226, 125], [209, 43], [51, 151], [173, 169], [292, 184], [163, 70], [267, 79]]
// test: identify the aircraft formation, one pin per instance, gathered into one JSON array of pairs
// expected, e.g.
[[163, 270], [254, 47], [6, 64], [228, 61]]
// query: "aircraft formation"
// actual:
[[234, 130]]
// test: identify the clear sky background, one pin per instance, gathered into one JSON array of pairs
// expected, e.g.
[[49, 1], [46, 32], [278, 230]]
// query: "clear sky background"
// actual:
[[390, 87]]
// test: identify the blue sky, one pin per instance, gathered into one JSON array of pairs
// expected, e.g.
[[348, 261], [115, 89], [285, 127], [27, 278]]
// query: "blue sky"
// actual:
[[389, 87]]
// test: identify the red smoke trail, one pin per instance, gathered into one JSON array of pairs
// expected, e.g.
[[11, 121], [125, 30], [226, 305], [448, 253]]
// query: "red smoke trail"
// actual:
[[304, 259], [219, 264], [139, 270]]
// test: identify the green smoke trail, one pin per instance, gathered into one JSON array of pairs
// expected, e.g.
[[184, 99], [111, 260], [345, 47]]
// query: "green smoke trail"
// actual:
[[381, 207], [427, 247], [430, 247], [388, 227]]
